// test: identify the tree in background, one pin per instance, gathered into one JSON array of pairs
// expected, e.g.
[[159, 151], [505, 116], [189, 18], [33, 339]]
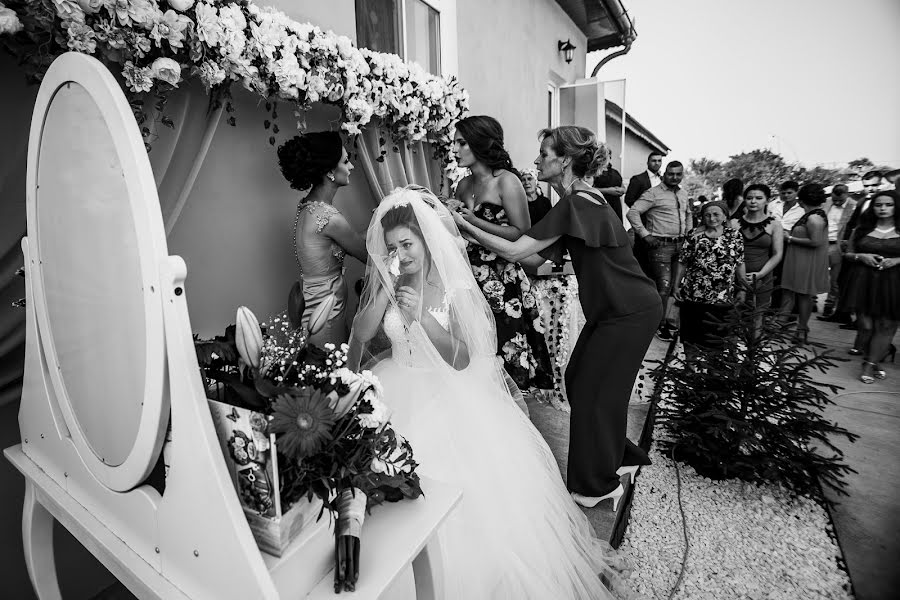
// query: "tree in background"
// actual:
[[759, 166], [705, 175], [861, 165]]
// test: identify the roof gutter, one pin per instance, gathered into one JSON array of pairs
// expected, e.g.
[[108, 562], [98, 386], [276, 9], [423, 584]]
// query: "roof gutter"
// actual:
[[625, 25]]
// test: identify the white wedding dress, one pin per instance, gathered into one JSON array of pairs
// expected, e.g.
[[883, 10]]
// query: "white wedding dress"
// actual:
[[517, 533]]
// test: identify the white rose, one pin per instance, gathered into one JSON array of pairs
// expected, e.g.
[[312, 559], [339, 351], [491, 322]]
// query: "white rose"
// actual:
[[181, 5], [90, 6], [68, 10], [9, 21], [167, 70]]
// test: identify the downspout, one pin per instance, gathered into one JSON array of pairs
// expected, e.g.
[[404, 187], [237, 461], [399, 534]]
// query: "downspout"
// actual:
[[615, 54], [618, 13]]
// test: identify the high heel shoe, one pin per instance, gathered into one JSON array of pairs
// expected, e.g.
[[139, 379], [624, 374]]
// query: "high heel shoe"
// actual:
[[868, 372], [630, 469], [592, 501], [854, 351], [889, 355]]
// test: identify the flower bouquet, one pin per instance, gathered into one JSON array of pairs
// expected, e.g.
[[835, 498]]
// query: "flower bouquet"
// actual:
[[331, 443]]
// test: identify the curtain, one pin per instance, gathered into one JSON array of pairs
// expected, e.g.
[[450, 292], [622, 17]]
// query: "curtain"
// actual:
[[388, 164]]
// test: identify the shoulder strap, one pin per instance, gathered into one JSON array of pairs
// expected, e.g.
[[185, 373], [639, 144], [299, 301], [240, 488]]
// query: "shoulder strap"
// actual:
[[598, 199]]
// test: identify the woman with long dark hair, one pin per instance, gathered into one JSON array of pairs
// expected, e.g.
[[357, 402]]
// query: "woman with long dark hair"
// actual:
[[318, 162], [621, 307], [495, 201], [872, 287]]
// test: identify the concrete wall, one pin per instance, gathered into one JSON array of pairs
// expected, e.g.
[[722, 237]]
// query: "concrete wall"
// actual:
[[507, 56]]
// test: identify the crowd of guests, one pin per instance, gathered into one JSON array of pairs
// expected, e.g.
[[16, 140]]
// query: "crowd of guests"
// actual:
[[751, 250]]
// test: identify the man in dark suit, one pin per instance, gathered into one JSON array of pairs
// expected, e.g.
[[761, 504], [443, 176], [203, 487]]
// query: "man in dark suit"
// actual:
[[637, 185]]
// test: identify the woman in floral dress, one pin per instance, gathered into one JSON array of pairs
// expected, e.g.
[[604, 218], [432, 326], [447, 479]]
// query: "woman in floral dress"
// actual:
[[495, 201], [709, 277]]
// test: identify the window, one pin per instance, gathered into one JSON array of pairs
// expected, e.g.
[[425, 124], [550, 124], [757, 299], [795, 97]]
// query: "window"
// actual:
[[423, 35], [378, 25], [421, 31]]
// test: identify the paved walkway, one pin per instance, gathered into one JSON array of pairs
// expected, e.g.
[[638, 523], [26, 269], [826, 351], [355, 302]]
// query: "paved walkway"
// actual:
[[868, 521]]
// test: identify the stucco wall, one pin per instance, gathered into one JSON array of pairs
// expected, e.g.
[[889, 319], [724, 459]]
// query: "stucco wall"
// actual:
[[507, 56]]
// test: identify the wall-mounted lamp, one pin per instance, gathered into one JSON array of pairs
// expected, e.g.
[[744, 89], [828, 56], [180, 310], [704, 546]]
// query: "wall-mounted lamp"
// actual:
[[568, 50]]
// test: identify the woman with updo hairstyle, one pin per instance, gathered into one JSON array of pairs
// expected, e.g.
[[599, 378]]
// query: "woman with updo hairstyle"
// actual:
[[322, 236], [495, 201], [805, 272], [621, 308]]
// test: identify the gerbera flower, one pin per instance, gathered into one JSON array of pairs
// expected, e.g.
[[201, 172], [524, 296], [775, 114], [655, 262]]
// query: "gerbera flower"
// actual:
[[304, 421]]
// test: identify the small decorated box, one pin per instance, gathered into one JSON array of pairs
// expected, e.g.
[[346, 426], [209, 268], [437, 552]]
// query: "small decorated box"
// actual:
[[249, 452]]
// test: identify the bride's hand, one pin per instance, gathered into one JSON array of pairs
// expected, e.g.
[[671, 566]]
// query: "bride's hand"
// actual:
[[408, 303]]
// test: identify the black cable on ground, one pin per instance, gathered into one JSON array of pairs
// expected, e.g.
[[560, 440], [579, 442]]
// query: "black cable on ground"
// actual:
[[683, 527]]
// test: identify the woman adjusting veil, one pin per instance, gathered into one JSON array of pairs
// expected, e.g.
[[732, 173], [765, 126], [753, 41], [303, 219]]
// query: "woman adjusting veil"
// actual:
[[427, 332]]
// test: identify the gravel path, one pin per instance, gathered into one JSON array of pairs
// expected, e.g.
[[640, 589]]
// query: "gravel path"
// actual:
[[746, 541]]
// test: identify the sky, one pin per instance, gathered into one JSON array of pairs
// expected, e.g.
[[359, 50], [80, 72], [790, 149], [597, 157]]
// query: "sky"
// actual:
[[816, 80]]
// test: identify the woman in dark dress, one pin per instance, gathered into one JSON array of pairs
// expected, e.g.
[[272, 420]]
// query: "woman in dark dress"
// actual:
[[872, 287], [538, 204], [763, 244], [620, 303], [494, 200]]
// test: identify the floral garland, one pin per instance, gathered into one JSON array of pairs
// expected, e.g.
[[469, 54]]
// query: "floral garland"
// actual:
[[156, 44]]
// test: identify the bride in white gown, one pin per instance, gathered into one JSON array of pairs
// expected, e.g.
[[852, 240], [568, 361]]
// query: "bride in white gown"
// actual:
[[426, 330]]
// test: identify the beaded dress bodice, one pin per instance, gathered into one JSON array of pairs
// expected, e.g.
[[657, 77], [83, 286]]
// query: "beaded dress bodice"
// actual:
[[404, 339]]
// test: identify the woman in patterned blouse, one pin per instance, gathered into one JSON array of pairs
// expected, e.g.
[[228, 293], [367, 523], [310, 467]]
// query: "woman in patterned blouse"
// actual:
[[322, 236], [707, 278]]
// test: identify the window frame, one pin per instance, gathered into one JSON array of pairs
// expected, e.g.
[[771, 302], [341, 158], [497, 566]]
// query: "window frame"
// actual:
[[446, 10]]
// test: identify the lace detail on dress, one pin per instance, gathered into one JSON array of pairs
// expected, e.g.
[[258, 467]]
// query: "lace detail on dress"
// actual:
[[323, 213], [402, 345]]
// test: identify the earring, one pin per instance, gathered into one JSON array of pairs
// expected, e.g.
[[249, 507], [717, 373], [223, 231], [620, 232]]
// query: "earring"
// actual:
[[330, 176]]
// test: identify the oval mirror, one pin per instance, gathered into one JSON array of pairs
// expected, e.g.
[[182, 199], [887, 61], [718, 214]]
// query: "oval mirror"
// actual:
[[99, 240]]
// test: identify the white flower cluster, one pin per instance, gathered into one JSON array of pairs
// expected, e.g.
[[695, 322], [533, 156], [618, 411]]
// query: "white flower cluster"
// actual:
[[9, 21], [222, 41]]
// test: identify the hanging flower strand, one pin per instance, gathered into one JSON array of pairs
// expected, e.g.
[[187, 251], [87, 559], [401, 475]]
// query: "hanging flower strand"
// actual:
[[156, 44]]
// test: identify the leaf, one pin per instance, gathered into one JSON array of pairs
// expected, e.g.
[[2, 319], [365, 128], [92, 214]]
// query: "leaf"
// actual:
[[267, 123]]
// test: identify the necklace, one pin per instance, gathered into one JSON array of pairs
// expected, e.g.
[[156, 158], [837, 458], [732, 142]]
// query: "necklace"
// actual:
[[569, 187], [480, 185], [890, 229]]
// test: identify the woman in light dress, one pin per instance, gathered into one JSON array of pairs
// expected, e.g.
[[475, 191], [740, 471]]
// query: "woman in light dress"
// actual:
[[322, 236], [427, 332]]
